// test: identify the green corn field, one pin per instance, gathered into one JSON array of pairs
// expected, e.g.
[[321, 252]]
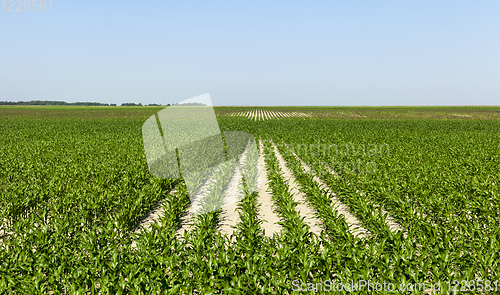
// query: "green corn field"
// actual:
[[377, 197]]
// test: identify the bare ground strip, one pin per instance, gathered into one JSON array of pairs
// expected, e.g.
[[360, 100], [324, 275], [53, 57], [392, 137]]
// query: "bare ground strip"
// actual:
[[355, 226], [229, 215], [304, 210], [351, 220], [267, 209]]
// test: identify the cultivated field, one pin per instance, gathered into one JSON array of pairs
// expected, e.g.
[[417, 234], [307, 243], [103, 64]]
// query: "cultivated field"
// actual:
[[397, 196]]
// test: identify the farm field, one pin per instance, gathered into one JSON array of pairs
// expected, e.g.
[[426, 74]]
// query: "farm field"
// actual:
[[391, 195]]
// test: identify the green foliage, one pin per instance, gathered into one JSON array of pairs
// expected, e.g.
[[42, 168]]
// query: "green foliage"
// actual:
[[73, 191]]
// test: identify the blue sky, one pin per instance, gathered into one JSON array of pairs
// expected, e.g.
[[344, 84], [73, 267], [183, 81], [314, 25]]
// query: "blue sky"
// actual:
[[254, 52]]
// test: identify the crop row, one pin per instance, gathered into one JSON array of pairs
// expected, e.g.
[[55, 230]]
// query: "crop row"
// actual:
[[73, 192], [441, 187]]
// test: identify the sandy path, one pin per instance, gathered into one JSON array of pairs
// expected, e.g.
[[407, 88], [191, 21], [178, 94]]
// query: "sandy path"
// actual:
[[153, 215], [355, 226], [351, 220], [299, 197], [187, 217], [229, 215], [266, 210]]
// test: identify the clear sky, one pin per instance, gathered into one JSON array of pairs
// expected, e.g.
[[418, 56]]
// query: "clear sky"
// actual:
[[254, 52]]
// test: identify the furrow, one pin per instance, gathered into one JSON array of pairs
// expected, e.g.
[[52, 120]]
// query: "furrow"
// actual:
[[299, 197], [355, 225], [229, 216], [153, 215], [187, 217], [267, 208]]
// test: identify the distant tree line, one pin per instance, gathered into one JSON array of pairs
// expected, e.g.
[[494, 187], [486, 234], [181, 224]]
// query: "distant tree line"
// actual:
[[187, 104], [131, 104], [63, 103], [54, 103]]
